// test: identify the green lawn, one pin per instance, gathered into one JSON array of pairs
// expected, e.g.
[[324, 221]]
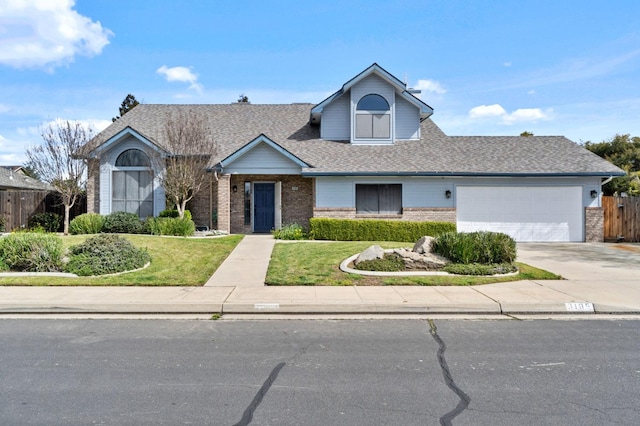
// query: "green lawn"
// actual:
[[317, 263], [174, 261]]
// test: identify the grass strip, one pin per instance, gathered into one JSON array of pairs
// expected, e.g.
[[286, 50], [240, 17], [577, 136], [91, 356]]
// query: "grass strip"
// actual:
[[317, 263], [175, 261]]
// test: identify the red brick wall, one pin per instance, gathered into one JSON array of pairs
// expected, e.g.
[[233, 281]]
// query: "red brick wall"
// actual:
[[297, 199]]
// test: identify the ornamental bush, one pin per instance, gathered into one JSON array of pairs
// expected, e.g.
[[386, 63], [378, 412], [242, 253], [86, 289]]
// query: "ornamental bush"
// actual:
[[50, 222], [122, 223], [105, 254], [87, 223], [476, 247], [31, 252], [170, 226], [375, 230]]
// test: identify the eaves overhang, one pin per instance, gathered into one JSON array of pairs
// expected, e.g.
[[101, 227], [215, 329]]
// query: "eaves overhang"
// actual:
[[120, 136], [425, 110], [261, 139], [312, 173]]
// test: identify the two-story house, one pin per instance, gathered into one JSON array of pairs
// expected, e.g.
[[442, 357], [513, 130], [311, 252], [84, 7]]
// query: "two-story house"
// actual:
[[370, 150]]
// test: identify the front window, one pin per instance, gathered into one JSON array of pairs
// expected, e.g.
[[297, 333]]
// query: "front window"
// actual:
[[373, 118], [132, 184], [378, 199]]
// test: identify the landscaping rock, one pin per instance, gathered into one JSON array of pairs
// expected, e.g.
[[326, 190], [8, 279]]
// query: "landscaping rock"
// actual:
[[371, 253], [417, 261], [423, 245]]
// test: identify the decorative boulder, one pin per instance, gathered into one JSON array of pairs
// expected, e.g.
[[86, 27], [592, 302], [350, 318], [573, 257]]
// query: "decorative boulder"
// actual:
[[417, 261], [371, 253], [423, 245]]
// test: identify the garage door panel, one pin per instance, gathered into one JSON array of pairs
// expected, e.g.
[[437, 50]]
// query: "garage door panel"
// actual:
[[525, 213]]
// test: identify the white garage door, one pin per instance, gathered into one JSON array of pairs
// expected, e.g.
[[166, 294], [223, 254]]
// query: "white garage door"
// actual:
[[525, 213]]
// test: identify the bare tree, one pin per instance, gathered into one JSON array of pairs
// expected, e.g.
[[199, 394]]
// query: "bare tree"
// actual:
[[190, 147], [55, 163]]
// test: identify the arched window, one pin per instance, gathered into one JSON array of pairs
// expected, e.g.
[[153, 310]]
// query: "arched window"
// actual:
[[132, 158], [372, 103], [373, 118], [132, 185]]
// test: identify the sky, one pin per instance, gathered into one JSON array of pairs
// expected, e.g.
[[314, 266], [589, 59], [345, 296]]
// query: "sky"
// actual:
[[486, 67]]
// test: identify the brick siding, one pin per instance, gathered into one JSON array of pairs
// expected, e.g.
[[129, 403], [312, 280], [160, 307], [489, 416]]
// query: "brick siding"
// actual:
[[411, 214], [93, 185], [594, 224]]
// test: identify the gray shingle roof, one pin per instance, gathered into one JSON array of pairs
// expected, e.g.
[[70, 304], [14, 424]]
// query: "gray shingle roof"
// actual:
[[234, 125], [10, 179]]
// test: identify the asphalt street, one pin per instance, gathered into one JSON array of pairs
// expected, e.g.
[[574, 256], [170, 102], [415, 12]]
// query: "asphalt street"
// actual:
[[319, 372]]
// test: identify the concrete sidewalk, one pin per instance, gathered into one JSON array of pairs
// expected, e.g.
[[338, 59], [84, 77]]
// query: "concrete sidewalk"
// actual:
[[238, 288]]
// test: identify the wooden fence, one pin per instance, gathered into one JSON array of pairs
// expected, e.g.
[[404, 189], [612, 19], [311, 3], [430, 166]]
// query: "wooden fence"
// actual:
[[16, 207], [621, 218]]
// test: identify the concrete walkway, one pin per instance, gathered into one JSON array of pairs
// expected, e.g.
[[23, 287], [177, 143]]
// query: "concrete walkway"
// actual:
[[247, 264], [238, 288]]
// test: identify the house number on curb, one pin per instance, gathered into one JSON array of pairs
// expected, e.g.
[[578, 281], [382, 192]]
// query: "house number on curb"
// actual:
[[580, 307], [267, 306]]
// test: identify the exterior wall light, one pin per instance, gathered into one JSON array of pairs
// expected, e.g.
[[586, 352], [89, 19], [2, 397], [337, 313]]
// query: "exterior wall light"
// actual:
[[235, 188], [447, 193], [594, 193]]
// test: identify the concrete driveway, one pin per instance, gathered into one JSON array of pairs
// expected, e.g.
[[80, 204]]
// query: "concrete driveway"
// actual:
[[585, 261]]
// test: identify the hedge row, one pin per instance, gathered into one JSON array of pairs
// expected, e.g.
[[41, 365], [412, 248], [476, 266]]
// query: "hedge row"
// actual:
[[130, 223], [375, 230]]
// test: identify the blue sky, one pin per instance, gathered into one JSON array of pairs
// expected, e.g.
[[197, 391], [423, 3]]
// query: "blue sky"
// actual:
[[487, 67]]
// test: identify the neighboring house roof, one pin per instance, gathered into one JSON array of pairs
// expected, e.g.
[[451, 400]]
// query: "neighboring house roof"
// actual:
[[16, 180], [235, 125]]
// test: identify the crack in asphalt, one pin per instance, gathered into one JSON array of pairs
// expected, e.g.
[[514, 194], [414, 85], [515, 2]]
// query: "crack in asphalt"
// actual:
[[448, 379], [247, 416]]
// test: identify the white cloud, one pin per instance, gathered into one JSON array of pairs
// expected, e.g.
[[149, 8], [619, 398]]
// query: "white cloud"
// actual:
[[39, 33], [11, 151], [430, 86], [181, 74], [506, 64], [483, 111], [521, 115], [525, 115]]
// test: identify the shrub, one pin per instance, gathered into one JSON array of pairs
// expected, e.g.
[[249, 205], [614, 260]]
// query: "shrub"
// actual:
[[292, 231], [174, 213], [476, 247], [480, 269], [3, 223], [170, 226], [105, 254], [122, 223], [50, 222], [31, 252], [389, 263], [375, 230], [87, 223], [169, 213]]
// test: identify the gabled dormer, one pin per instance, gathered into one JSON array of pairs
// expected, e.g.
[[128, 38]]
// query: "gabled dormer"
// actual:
[[373, 108]]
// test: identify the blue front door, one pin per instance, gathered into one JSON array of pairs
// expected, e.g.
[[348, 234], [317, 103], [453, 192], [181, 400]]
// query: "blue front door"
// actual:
[[263, 206]]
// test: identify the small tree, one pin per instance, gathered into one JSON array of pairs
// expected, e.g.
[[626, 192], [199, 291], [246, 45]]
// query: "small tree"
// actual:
[[190, 147], [243, 99], [55, 163], [624, 152], [526, 134], [127, 105]]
